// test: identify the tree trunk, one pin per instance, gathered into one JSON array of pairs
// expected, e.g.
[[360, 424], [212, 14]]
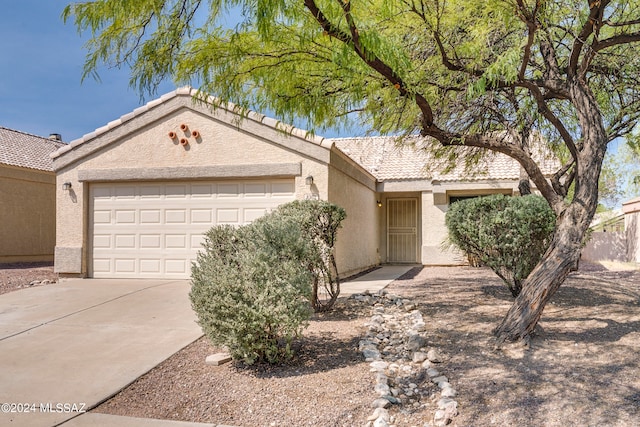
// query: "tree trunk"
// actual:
[[538, 288], [572, 223]]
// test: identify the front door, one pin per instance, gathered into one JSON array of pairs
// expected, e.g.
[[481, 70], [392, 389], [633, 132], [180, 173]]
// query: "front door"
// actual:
[[402, 230]]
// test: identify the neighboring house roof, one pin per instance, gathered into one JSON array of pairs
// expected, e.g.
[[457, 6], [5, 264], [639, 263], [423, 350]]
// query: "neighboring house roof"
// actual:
[[389, 159], [27, 151]]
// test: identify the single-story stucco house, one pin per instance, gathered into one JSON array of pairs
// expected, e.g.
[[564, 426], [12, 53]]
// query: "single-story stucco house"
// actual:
[[136, 196], [27, 197]]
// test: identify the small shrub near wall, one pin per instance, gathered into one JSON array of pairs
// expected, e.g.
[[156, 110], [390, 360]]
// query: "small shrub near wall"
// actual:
[[319, 222], [253, 287], [507, 234]]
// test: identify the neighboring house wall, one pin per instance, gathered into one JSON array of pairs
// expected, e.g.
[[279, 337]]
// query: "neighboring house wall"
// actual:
[[609, 246], [632, 228], [27, 215], [621, 244]]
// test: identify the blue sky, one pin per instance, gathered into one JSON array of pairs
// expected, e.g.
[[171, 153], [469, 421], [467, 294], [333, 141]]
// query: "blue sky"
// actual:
[[40, 72]]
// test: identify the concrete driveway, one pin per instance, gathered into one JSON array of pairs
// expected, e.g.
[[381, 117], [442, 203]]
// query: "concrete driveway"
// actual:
[[65, 348]]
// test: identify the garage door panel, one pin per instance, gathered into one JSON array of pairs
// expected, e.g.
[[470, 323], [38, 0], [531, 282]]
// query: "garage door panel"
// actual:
[[102, 217], [227, 216], [125, 216], [150, 241], [150, 266], [125, 265], [175, 216], [228, 191], [176, 191], [125, 192], [199, 216], [150, 216], [251, 215], [154, 230], [199, 191], [125, 241]]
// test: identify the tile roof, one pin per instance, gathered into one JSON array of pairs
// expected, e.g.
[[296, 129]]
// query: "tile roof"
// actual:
[[26, 150], [390, 159]]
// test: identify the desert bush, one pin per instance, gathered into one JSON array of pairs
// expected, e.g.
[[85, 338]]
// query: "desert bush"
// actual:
[[251, 288], [507, 234], [319, 222]]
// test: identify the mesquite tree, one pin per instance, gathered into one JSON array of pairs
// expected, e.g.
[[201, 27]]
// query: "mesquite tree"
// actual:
[[491, 75]]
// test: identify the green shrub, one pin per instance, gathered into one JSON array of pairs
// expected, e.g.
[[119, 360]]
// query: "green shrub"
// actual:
[[507, 234], [319, 222], [251, 288]]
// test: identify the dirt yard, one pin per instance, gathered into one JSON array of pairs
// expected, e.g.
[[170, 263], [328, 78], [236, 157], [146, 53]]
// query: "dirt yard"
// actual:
[[23, 275], [581, 369]]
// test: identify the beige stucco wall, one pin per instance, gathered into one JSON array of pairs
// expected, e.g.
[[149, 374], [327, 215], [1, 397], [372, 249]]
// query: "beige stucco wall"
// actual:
[[150, 147], [434, 231], [357, 246], [27, 215]]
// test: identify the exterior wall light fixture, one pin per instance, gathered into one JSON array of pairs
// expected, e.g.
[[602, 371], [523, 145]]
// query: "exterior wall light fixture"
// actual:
[[66, 186], [309, 180], [379, 203]]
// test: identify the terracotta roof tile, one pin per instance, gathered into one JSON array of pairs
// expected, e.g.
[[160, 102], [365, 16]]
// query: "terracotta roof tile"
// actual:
[[387, 159], [26, 150]]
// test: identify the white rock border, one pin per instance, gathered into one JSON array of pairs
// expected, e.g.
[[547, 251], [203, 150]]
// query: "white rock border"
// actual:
[[395, 346]]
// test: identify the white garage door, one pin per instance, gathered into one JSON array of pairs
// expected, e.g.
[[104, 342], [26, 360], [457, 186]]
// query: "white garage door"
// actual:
[[154, 230]]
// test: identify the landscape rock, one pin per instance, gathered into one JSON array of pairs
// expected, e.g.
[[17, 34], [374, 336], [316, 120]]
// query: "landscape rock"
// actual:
[[396, 350], [218, 359]]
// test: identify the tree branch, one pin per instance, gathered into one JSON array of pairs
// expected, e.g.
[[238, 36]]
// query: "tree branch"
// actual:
[[592, 24], [370, 58]]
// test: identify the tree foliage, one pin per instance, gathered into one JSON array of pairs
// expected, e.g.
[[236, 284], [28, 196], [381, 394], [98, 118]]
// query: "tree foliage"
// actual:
[[490, 75], [507, 234]]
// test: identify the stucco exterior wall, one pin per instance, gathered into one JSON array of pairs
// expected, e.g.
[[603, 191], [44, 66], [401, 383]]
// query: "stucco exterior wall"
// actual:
[[149, 149], [357, 246], [27, 215], [434, 232]]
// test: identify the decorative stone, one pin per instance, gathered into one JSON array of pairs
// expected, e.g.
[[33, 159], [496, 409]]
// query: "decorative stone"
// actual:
[[419, 357], [391, 399], [448, 392], [435, 356], [440, 379], [432, 372], [446, 402], [382, 389], [396, 349], [218, 359], [379, 365], [381, 402], [416, 342]]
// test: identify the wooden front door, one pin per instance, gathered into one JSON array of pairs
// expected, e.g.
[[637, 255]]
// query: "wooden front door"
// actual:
[[402, 230]]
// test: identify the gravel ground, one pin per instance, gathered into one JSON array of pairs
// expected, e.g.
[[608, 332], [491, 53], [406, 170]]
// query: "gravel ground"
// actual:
[[580, 370], [23, 275]]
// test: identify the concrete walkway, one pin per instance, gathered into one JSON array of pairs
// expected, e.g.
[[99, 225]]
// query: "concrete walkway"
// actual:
[[65, 348], [374, 281]]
